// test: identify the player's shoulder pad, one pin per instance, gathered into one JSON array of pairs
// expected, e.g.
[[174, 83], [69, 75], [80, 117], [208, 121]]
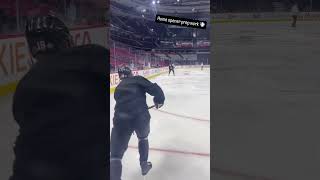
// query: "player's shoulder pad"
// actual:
[[140, 78], [95, 49], [89, 50], [98, 57]]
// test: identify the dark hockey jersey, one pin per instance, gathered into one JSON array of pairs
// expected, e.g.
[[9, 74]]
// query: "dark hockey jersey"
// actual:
[[130, 95], [61, 108]]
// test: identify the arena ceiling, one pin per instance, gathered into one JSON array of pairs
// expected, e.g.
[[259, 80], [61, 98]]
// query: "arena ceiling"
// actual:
[[169, 7]]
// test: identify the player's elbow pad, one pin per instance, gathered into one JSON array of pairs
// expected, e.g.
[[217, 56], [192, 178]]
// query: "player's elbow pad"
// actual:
[[158, 94]]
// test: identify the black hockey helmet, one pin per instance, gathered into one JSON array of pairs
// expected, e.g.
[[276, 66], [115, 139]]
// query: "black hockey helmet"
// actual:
[[47, 34], [124, 72]]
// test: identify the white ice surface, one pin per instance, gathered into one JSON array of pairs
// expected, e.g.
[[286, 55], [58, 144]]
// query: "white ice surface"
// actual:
[[180, 147]]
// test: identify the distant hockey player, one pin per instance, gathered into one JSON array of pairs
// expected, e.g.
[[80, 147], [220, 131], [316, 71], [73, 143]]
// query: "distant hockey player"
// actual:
[[201, 66], [132, 115], [61, 107], [171, 68], [295, 13]]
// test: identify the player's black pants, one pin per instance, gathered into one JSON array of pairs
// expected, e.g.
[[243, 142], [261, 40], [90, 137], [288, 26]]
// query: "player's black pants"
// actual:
[[123, 127], [170, 71], [294, 21]]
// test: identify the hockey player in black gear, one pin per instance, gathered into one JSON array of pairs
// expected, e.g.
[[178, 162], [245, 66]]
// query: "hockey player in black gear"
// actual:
[[171, 68], [132, 115], [295, 13], [61, 107]]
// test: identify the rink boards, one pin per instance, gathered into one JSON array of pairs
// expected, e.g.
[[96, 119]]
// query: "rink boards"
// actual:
[[148, 73], [114, 78]]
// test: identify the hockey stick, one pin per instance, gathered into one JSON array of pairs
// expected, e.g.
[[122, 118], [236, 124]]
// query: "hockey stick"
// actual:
[[151, 106]]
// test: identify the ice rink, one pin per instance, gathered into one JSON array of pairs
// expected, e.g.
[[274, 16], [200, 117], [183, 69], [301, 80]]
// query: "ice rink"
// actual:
[[180, 132], [266, 92]]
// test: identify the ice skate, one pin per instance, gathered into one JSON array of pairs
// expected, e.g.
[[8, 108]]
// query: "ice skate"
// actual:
[[145, 167]]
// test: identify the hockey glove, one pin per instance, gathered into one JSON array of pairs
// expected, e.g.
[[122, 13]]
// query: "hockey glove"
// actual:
[[157, 103]]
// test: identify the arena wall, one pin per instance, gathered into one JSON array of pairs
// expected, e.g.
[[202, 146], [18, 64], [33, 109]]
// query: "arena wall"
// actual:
[[148, 73]]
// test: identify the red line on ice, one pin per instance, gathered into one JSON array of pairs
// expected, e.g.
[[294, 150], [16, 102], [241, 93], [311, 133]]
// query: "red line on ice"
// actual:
[[183, 116], [176, 151]]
